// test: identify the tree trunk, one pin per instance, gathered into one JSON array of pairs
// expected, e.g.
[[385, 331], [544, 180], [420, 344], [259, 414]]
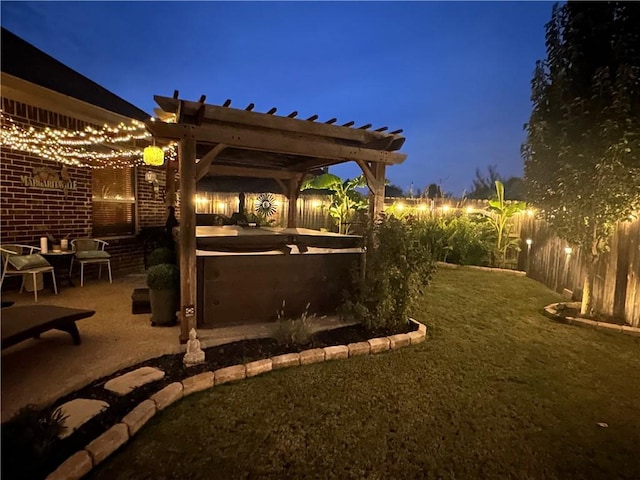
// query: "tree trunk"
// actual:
[[587, 291]]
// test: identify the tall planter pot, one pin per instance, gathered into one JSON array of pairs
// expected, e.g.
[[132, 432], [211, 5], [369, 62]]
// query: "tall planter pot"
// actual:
[[164, 305], [164, 293]]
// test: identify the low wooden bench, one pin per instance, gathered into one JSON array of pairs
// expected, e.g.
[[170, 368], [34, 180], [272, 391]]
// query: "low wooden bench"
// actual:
[[24, 322]]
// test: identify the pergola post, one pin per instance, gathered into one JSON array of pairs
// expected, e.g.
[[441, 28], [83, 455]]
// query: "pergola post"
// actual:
[[293, 190], [170, 184], [374, 173], [187, 245]]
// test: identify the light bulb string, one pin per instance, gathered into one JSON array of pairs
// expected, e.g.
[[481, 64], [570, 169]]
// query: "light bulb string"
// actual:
[[72, 147]]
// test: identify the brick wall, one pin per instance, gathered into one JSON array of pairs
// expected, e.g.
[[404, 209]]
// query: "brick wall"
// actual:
[[28, 213]]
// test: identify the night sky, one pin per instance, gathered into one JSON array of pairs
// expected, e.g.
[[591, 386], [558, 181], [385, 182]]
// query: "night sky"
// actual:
[[454, 75]]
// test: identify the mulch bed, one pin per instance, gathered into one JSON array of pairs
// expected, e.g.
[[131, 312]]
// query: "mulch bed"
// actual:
[[20, 464], [568, 310]]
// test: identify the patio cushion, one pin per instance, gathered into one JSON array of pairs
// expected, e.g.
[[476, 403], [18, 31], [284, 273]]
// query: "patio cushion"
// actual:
[[25, 262], [92, 254]]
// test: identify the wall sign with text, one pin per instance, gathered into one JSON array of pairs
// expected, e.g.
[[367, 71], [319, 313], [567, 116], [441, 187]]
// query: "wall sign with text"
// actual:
[[49, 179]]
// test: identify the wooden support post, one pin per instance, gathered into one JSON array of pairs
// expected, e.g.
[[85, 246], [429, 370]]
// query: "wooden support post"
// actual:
[[374, 173], [376, 206], [293, 191], [187, 152], [170, 184]]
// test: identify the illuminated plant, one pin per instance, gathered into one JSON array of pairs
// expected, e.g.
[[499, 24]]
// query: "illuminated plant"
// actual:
[[346, 200]]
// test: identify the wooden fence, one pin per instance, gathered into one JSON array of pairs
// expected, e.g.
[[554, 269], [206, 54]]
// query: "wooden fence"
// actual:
[[313, 210], [616, 289]]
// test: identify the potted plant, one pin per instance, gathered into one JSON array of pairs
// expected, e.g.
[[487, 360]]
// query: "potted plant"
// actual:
[[161, 255], [163, 281]]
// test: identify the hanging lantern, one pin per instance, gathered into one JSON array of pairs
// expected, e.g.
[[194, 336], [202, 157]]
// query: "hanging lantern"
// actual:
[[153, 156]]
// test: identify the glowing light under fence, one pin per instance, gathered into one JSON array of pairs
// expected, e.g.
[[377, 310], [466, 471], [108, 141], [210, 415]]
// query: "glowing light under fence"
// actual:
[[446, 208], [316, 203], [422, 207], [400, 206], [568, 250], [528, 241], [469, 209], [221, 205]]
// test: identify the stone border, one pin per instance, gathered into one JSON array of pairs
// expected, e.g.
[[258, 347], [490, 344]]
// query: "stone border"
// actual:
[[517, 273], [83, 461], [551, 311]]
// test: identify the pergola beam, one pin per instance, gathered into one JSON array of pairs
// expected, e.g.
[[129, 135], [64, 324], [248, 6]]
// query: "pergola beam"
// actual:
[[249, 139], [203, 165], [236, 171], [224, 114]]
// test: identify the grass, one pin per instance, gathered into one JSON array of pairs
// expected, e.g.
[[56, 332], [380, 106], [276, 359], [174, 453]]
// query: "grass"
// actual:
[[497, 391]]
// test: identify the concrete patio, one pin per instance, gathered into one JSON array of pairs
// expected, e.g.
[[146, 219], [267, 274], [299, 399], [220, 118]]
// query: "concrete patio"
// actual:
[[39, 371]]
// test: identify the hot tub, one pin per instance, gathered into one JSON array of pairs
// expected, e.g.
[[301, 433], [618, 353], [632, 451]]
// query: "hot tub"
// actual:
[[245, 274]]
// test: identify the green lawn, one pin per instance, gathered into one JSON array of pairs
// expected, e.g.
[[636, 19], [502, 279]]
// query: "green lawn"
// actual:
[[497, 391]]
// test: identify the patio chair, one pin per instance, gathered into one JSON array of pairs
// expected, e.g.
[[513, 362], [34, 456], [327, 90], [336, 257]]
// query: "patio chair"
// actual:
[[24, 260], [90, 251]]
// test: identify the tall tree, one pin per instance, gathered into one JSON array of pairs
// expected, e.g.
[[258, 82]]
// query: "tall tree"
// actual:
[[393, 191], [483, 186], [582, 151], [434, 191]]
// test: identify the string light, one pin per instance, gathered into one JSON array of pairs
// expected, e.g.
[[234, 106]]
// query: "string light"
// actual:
[[75, 147]]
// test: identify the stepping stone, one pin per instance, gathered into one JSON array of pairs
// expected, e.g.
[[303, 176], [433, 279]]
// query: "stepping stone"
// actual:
[[130, 381], [79, 412]]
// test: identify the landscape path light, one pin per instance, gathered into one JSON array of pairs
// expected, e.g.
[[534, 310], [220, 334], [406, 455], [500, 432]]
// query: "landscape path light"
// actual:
[[528, 241]]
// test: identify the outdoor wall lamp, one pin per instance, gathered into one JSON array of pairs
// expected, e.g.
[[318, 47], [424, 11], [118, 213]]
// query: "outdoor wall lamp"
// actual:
[[152, 177]]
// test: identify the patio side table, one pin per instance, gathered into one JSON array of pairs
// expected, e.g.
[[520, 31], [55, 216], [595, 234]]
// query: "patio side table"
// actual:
[[61, 262]]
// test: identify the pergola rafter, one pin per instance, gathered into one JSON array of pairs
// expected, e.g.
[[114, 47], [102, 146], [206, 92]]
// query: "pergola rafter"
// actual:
[[246, 143]]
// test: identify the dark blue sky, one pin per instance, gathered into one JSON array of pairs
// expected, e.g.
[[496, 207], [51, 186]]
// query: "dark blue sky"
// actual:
[[454, 75]]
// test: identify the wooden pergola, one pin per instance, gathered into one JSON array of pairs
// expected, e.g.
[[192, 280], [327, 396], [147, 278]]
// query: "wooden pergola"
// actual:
[[220, 140]]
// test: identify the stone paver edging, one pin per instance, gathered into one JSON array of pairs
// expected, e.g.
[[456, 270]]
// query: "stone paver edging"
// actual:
[[517, 273], [81, 462], [551, 311]]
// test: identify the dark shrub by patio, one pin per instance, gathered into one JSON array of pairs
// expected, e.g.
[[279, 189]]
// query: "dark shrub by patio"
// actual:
[[161, 255], [398, 266]]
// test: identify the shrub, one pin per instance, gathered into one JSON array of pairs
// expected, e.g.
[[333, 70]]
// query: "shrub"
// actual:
[[460, 239], [161, 255], [27, 440], [293, 331], [397, 266], [165, 276], [470, 241]]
